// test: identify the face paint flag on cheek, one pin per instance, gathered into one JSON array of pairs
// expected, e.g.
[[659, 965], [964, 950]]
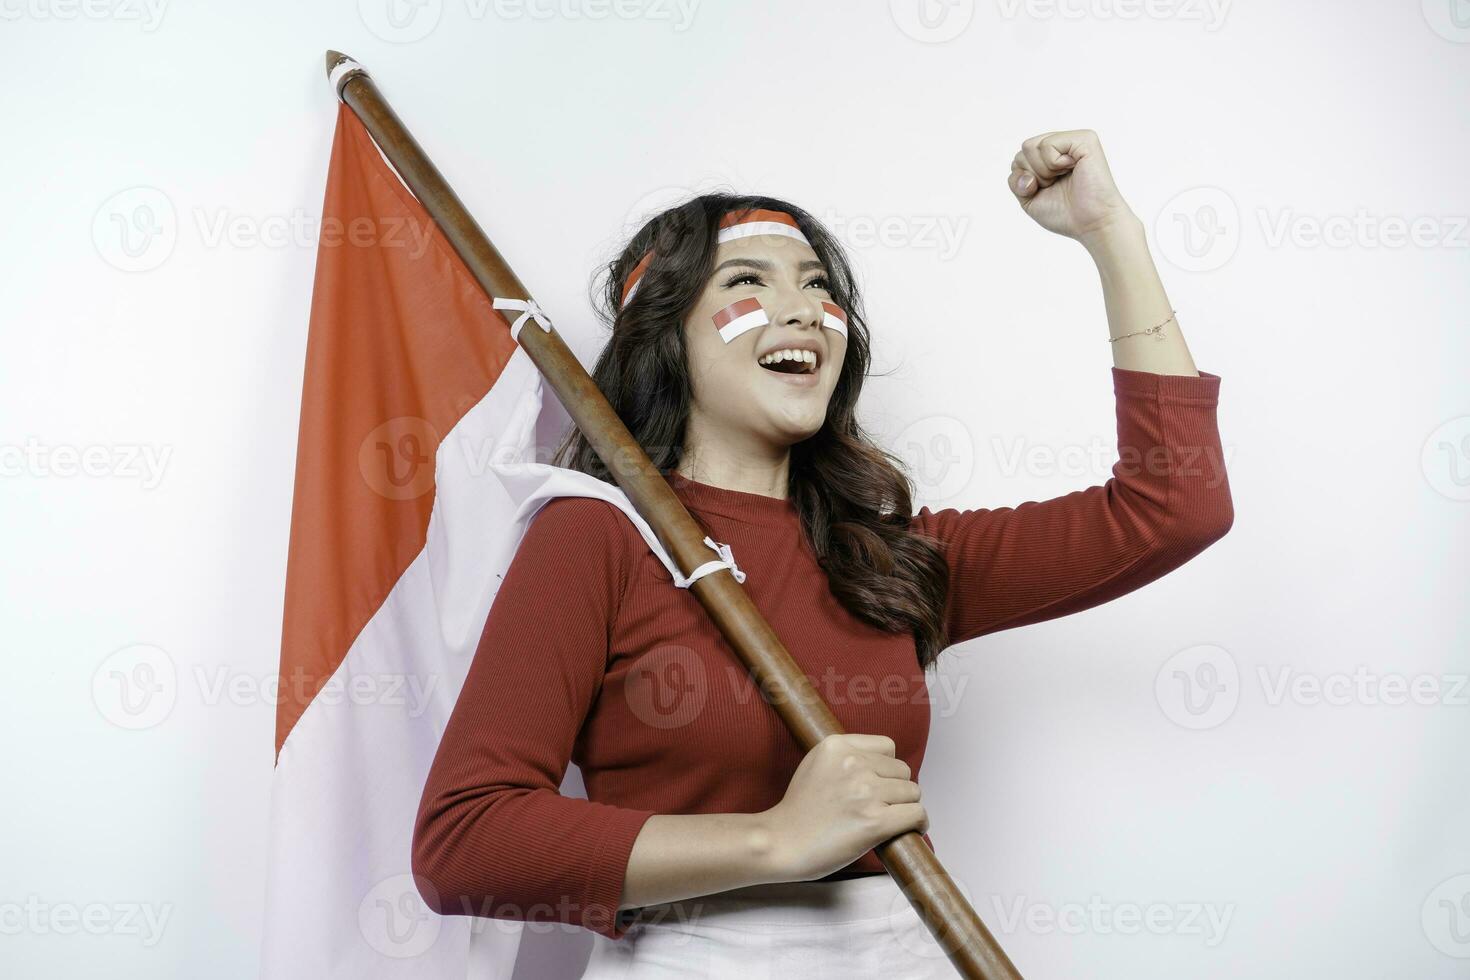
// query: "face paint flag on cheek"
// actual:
[[740, 316], [746, 314], [834, 317]]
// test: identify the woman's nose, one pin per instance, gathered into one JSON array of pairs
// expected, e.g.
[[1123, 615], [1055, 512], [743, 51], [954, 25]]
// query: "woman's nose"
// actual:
[[797, 307]]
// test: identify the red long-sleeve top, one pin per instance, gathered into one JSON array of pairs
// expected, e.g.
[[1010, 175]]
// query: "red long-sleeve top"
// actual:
[[591, 654]]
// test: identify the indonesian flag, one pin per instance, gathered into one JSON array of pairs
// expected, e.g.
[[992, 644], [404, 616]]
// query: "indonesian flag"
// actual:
[[740, 316], [413, 490]]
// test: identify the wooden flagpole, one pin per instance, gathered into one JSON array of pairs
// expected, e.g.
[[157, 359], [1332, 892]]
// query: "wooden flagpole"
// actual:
[[934, 895]]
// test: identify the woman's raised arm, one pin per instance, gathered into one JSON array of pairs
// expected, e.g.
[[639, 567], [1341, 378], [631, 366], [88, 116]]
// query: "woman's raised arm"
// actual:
[[1167, 500], [1168, 497]]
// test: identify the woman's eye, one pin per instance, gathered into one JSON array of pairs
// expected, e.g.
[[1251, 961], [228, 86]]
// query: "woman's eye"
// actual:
[[821, 282]]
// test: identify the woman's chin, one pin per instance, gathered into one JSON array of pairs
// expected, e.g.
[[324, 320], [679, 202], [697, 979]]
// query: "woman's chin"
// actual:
[[795, 425]]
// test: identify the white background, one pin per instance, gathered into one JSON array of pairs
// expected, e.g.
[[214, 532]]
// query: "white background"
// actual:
[[1278, 154]]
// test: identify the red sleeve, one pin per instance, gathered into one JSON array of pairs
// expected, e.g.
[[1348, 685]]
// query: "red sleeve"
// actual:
[[1167, 500], [493, 836]]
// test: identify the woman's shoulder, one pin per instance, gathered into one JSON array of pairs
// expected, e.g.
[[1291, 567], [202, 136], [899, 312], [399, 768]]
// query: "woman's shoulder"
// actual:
[[574, 539], [577, 514], [583, 524]]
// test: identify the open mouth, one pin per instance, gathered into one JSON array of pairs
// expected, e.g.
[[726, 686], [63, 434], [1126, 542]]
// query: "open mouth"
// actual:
[[790, 362]]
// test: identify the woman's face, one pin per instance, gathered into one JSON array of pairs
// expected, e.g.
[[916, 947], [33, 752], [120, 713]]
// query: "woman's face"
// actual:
[[733, 393]]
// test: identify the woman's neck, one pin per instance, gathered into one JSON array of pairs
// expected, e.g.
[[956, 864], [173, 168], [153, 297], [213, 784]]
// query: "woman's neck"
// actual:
[[768, 478]]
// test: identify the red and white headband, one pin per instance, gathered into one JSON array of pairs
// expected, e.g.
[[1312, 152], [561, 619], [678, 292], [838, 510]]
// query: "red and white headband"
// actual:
[[736, 224]]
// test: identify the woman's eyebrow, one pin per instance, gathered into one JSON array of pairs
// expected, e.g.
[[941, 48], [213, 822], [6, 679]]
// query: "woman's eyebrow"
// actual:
[[765, 266]]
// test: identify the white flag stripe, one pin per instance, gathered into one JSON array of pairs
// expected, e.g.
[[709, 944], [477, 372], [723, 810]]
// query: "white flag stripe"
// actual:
[[748, 321], [369, 762], [749, 228], [834, 322]]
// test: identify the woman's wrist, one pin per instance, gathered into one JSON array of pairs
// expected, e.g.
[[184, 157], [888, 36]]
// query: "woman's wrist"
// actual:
[[679, 856], [1121, 239], [767, 851]]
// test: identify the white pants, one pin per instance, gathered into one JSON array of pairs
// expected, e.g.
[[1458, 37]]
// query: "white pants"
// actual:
[[848, 929]]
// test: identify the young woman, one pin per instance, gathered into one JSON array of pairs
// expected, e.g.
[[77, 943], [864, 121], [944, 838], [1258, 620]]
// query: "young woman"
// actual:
[[709, 844]]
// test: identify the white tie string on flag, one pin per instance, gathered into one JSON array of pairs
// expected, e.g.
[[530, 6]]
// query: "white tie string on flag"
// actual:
[[530, 310]]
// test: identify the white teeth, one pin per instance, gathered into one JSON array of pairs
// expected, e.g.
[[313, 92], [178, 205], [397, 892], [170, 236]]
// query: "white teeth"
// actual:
[[790, 354]]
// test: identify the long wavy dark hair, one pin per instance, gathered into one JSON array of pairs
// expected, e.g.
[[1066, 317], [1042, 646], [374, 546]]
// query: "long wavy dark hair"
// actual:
[[854, 498]]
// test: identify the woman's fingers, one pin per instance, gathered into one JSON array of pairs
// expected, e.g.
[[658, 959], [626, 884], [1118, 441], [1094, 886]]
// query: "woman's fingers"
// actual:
[[861, 742], [902, 817], [1036, 162], [890, 768], [1046, 158], [1054, 152], [1052, 155], [1023, 180], [893, 791]]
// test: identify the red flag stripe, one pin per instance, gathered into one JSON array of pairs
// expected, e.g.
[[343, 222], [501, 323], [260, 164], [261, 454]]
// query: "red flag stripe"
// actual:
[[402, 343], [735, 310], [757, 215]]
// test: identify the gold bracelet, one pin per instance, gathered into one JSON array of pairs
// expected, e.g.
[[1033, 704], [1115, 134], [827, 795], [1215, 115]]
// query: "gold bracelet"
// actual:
[[1153, 329]]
